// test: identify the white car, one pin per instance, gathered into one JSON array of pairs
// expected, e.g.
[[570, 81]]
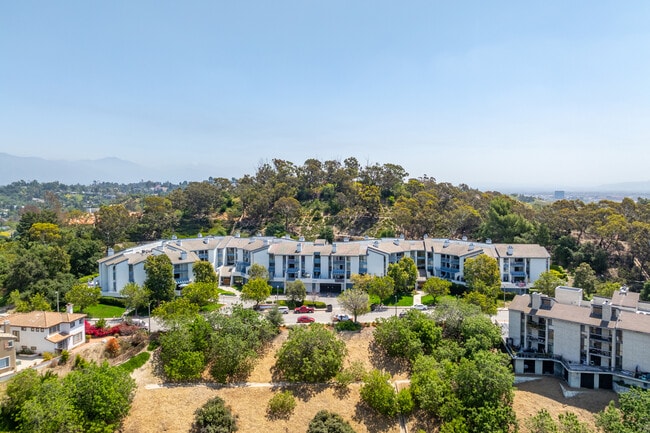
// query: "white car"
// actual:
[[420, 307]]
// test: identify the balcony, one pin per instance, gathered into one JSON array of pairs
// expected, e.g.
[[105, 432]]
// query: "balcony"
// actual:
[[600, 337]]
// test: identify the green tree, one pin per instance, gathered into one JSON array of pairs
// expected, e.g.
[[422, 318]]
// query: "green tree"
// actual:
[[256, 289], [51, 410], [482, 275], [20, 389], [160, 278], [102, 393], [542, 422], [38, 302], [112, 223], [632, 415], [355, 302], [44, 233], [296, 291], [234, 348], [378, 393], [362, 281], [404, 274], [548, 281], [204, 273], [585, 278], [258, 271], [281, 405], [84, 253], [311, 354], [504, 225], [201, 293], [183, 350], [214, 417], [83, 295], [287, 208], [177, 312], [436, 287], [135, 296], [328, 422], [382, 287]]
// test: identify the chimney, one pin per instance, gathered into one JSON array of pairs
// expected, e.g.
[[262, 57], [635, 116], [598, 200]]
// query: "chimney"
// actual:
[[536, 300], [110, 252], [333, 248], [183, 255], [298, 247], [69, 308], [510, 251], [7, 327]]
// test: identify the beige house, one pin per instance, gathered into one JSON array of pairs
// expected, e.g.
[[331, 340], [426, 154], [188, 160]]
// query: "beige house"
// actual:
[[7, 350]]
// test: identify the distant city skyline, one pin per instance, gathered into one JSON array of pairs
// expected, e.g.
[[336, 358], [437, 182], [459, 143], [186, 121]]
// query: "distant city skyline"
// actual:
[[549, 95]]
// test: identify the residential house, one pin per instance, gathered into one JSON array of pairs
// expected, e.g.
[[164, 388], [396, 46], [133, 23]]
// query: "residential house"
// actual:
[[7, 349], [47, 331]]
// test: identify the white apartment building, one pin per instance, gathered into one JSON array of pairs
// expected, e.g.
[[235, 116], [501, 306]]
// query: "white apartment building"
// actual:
[[321, 266], [601, 343]]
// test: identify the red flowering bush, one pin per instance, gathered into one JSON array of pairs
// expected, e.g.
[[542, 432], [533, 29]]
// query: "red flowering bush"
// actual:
[[94, 331]]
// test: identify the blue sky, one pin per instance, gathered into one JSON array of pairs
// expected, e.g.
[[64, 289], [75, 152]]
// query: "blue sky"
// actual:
[[553, 94]]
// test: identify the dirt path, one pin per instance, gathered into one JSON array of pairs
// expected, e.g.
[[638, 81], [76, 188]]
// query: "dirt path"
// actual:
[[158, 407]]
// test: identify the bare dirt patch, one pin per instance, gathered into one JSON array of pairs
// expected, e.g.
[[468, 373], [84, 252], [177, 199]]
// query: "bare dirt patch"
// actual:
[[546, 393], [160, 408]]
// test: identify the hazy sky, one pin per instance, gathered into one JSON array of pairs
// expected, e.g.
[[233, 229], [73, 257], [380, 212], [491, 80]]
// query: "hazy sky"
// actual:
[[487, 93]]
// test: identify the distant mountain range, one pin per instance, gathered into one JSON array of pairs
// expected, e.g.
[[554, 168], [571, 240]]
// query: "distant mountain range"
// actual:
[[85, 172]]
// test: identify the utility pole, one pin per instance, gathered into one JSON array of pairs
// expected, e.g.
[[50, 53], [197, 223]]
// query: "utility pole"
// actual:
[[57, 301]]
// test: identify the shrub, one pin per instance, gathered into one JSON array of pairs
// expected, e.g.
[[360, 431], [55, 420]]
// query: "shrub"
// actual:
[[405, 403], [329, 422], [79, 362], [214, 417], [108, 300], [311, 354], [101, 323], [65, 355], [378, 393], [315, 304], [112, 347], [47, 356], [281, 405], [347, 325]]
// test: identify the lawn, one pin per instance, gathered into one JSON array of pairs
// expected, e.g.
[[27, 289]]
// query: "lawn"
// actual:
[[101, 311], [225, 292], [403, 301]]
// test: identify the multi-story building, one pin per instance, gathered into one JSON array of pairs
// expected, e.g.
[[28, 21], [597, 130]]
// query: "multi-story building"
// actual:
[[321, 266], [592, 344], [47, 331]]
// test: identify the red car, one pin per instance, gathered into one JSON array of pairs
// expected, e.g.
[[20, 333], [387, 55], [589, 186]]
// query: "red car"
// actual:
[[303, 309], [305, 319]]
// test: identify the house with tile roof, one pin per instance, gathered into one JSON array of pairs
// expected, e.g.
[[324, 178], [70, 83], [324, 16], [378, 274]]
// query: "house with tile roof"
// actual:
[[591, 344], [47, 331]]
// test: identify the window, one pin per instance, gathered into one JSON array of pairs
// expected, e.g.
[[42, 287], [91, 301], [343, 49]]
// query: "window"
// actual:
[[22, 328], [17, 334], [4, 362], [9, 344], [76, 338]]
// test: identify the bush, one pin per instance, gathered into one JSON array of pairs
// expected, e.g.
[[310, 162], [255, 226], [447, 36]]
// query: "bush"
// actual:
[[378, 393], [405, 403], [310, 354], [214, 417], [116, 302], [281, 405], [65, 355], [315, 304], [354, 373], [329, 422], [79, 362], [112, 347], [347, 325], [47, 356]]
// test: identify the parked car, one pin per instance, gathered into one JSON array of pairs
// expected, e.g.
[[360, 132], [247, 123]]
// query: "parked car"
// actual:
[[420, 307], [305, 319], [283, 309], [340, 318], [303, 309], [140, 323]]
